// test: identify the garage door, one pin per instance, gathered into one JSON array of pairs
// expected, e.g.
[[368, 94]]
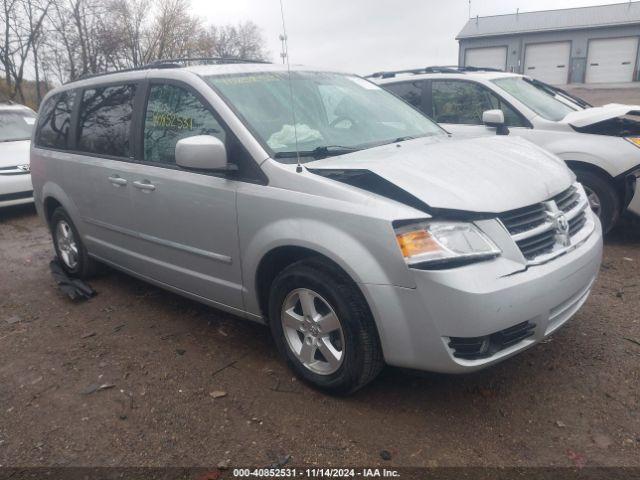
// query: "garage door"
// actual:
[[493, 57], [548, 62], [611, 60]]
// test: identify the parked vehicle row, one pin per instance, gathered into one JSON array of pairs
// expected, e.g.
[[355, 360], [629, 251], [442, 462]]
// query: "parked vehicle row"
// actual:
[[322, 205], [600, 144]]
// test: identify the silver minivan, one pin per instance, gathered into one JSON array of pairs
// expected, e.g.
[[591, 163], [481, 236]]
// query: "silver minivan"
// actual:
[[319, 204]]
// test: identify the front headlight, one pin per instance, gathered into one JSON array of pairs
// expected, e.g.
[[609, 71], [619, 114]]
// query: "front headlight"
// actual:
[[442, 244], [634, 140]]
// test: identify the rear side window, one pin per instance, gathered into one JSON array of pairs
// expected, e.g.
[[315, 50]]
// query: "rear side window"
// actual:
[[410, 92], [54, 121], [174, 113], [104, 125]]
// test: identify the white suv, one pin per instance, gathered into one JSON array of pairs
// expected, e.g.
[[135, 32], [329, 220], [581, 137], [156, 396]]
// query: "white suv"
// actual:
[[16, 125], [600, 144]]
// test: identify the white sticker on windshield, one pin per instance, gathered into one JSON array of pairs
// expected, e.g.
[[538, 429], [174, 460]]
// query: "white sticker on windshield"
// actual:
[[364, 83], [29, 120]]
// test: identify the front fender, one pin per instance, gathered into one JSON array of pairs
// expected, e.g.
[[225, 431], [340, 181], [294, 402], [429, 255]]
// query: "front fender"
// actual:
[[614, 155], [376, 261]]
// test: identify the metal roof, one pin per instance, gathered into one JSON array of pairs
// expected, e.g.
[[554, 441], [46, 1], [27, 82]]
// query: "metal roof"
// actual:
[[549, 20]]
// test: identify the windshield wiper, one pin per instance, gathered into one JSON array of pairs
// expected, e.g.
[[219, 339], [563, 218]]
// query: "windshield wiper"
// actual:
[[14, 139], [553, 91], [403, 139], [400, 139], [319, 152]]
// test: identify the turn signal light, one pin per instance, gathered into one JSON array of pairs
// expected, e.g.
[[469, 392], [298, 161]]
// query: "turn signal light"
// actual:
[[416, 242]]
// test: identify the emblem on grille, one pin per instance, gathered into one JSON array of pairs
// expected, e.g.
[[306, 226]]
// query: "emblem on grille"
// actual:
[[561, 224], [25, 168]]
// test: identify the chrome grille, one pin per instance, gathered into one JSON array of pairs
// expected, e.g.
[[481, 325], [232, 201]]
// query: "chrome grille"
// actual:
[[16, 170], [577, 222], [537, 245], [568, 199], [524, 219], [546, 228]]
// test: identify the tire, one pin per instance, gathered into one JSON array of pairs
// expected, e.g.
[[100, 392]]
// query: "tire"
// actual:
[[600, 189], [83, 266], [356, 340]]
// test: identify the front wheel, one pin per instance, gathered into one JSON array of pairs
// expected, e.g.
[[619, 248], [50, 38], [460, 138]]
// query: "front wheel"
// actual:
[[323, 327], [603, 198]]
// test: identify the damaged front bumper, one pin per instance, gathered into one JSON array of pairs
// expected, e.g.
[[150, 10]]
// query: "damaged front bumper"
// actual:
[[629, 183], [437, 325]]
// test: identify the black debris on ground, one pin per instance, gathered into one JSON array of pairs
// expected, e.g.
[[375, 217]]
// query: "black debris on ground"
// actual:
[[76, 289]]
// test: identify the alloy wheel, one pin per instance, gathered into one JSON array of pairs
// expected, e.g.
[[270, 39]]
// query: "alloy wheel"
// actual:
[[67, 245], [313, 331]]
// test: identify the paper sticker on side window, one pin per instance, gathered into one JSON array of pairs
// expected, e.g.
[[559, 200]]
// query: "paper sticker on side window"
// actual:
[[364, 83], [172, 121]]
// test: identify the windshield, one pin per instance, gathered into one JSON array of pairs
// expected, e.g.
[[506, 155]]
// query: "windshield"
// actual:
[[540, 102], [334, 113], [16, 125]]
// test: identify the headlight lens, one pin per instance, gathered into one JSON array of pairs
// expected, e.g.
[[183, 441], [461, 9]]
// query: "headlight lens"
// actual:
[[438, 243], [634, 140]]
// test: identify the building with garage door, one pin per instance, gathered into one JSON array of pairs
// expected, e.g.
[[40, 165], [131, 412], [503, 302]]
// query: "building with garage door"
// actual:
[[576, 45]]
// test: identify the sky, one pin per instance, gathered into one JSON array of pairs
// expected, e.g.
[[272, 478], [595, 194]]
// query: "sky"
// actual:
[[365, 36]]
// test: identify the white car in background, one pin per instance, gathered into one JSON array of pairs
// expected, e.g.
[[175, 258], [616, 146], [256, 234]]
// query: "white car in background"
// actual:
[[600, 144], [16, 125]]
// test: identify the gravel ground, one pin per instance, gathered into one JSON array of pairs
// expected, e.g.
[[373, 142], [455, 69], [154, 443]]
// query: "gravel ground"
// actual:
[[602, 96], [570, 401]]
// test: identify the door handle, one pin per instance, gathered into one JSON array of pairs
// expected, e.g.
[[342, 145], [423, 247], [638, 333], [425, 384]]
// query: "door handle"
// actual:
[[145, 185], [118, 181]]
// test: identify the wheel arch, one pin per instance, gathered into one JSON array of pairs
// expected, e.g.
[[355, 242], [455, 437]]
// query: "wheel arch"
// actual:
[[276, 260], [590, 167], [53, 197], [50, 205]]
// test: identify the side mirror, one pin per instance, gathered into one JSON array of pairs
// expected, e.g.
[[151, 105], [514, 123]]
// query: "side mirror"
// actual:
[[495, 119], [202, 152]]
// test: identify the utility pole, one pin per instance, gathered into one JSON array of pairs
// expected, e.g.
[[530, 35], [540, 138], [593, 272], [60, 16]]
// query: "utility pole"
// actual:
[[283, 54]]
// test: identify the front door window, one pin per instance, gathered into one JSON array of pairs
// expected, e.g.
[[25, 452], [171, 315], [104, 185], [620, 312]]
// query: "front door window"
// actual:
[[174, 113]]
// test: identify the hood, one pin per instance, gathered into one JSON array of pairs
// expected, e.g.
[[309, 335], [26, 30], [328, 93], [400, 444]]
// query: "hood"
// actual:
[[14, 153], [589, 116], [488, 175]]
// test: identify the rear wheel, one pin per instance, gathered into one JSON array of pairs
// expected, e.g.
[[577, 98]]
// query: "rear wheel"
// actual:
[[69, 247], [323, 327], [603, 198]]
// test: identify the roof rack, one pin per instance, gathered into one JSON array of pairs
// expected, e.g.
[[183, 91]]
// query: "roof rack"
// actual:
[[433, 69], [174, 63], [186, 61]]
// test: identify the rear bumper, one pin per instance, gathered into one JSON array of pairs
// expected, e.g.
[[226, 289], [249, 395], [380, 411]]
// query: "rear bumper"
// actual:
[[15, 190], [416, 325]]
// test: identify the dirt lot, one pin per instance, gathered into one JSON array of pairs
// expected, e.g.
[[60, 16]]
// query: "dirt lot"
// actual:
[[602, 96], [573, 400]]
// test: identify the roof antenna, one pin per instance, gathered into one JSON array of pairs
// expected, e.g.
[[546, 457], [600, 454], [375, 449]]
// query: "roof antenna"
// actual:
[[285, 56]]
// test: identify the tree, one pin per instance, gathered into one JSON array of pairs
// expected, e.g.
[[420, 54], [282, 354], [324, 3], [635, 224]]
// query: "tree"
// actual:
[[235, 41], [22, 24], [62, 40]]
